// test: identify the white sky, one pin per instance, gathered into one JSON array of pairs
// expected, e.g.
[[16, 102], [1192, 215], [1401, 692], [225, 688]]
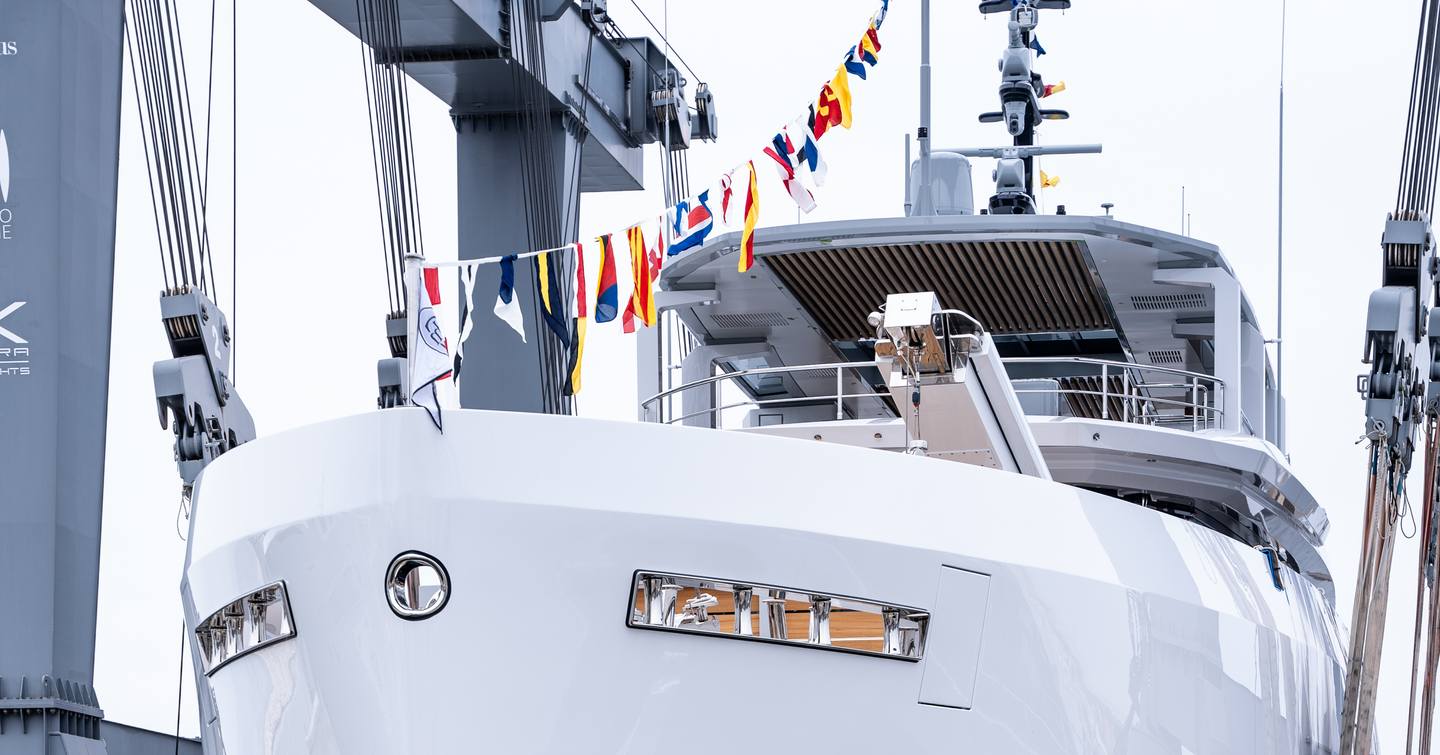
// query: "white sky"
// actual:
[[1179, 93]]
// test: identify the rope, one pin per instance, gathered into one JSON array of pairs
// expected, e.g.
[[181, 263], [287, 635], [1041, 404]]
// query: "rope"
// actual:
[[492, 260], [180, 687]]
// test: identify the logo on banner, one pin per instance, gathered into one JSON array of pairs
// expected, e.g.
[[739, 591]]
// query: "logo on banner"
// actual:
[[4, 168], [430, 332], [5, 333], [8, 48], [7, 216]]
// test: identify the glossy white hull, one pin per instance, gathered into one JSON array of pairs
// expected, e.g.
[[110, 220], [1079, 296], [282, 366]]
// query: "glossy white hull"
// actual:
[[1103, 626]]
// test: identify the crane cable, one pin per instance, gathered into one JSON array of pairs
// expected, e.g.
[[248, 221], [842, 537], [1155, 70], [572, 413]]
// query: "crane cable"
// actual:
[[176, 176], [392, 146]]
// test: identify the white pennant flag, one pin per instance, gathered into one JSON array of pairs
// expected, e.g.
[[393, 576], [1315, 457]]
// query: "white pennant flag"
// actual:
[[728, 197], [467, 317], [426, 345], [507, 304]]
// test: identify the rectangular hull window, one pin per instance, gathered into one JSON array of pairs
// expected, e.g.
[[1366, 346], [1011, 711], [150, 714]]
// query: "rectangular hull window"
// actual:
[[245, 625], [768, 613]]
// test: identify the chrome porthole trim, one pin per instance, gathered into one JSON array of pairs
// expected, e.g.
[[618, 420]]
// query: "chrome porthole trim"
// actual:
[[417, 585]]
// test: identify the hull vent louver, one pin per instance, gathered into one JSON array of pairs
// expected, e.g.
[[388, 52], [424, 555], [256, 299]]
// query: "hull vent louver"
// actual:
[[748, 320], [1167, 356], [1166, 302]]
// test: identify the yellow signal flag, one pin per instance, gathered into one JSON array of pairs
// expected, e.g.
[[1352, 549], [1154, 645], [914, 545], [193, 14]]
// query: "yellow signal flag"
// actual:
[[1048, 181]]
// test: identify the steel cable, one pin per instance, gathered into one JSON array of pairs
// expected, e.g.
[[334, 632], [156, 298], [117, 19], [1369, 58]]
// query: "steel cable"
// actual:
[[177, 179], [392, 145]]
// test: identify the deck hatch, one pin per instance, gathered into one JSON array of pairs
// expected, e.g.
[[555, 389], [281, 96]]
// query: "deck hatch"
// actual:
[[956, 639], [1013, 286]]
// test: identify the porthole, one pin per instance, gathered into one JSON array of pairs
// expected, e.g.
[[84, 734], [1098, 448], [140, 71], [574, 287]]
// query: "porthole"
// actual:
[[416, 586]]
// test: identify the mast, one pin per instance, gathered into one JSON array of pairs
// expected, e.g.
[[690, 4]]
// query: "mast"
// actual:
[[925, 204], [1280, 240], [1021, 90]]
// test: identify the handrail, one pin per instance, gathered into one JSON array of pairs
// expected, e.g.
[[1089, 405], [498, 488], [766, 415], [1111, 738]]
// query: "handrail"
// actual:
[[839, 398], [1204, 402], [1115, 363], [1130, 391]]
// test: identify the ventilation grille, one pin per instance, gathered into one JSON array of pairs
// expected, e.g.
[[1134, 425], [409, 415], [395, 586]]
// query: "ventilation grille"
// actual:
[[1010, 286], [1168, 302], [748, 320], [1167, 356]]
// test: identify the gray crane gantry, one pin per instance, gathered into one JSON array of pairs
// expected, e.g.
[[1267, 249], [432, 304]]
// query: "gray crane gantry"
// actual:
[[515, 73]]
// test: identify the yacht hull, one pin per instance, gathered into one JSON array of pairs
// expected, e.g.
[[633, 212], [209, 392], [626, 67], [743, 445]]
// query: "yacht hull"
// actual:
[[1093, 625]]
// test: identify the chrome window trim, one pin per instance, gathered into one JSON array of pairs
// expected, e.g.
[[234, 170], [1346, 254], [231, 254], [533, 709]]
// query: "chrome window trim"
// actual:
[[289, 615], [919, 615]]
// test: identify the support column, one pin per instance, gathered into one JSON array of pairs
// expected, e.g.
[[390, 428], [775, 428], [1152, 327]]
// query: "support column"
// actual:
[[1227, 342], [60, 122], [502, 372]]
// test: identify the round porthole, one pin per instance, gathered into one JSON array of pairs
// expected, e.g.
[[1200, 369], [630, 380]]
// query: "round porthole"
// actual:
[[416, 586]]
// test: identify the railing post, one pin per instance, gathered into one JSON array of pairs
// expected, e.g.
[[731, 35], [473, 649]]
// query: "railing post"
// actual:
[[1104, 391], [1195, 405], [1125, 393], [839, 392]]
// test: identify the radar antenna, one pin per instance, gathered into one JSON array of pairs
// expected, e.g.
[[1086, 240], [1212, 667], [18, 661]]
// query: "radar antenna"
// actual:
[[1021, 90]]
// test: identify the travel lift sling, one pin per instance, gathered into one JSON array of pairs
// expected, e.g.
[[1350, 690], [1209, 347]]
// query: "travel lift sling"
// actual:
[[1402, 399]]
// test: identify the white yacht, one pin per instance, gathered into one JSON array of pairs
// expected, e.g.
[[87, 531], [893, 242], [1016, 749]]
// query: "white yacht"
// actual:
[[1106, 552], [993, 482]]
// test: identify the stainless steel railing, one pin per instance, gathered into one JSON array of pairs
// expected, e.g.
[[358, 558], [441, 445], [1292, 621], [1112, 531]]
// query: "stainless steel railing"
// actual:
[[1182, 397], [656, 408], [1126, 392]]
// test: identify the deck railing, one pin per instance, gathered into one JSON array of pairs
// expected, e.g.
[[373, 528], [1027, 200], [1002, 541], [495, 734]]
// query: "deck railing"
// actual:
[[1125, 392], [1180, 397], [656, 408]]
